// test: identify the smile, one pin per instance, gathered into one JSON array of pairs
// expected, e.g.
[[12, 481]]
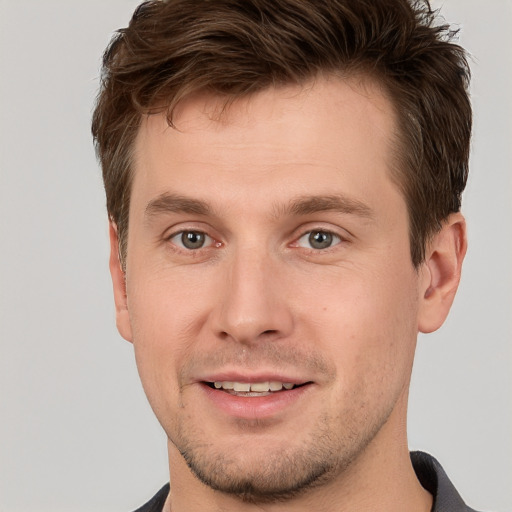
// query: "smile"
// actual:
[[251, 396], [252, 389]]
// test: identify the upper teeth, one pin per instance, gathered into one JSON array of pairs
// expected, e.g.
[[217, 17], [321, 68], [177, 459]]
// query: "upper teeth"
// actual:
[[253, 386]]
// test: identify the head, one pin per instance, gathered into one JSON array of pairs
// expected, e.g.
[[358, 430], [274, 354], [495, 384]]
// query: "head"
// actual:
[[283, 182]]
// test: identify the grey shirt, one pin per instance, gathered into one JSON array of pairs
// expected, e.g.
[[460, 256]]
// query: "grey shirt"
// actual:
[[433, 478]]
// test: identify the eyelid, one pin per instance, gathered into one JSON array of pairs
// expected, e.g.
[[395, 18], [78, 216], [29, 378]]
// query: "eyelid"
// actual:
[[338, 239], [305, 229], [175, 239]]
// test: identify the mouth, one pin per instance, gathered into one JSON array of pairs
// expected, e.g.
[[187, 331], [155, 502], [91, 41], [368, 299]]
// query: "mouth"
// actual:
[[254, 389], [255, 397]]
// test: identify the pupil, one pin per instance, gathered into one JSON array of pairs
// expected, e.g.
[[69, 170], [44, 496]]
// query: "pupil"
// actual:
[[320, 240], [192, 239]]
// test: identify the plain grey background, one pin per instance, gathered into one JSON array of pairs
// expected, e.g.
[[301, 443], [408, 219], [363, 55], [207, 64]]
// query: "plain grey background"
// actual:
[[76, 433]]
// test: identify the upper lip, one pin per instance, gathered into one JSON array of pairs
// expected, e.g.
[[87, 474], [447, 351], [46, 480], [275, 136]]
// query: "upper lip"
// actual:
[[251, 377]]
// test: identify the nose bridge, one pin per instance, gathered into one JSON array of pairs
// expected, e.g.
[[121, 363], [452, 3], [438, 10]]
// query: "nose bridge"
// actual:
[[253, 303]]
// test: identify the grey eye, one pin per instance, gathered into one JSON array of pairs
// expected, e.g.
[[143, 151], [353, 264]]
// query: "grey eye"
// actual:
[[191, 239], [318, 240]]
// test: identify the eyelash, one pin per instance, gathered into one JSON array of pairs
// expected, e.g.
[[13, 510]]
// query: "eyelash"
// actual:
[[335, 240], [176, 239], [180, 246]]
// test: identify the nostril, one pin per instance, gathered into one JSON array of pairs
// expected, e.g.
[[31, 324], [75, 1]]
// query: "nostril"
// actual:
[[248, 337]]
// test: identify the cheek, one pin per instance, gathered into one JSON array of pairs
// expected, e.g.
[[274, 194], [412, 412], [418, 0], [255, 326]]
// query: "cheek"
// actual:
[[368, 325], [166, 307], [166, 316]]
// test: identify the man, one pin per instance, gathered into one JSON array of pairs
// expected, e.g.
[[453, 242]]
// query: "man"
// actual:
[[283, 182]]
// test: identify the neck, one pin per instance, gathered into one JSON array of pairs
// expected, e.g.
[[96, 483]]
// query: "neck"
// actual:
[[381, 478]]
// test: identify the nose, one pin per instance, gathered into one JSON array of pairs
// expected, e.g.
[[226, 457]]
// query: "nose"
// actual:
[[253, 302]]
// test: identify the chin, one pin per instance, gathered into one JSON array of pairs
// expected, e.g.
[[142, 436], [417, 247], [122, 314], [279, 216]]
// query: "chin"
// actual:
[[263, 477], [263, 469]]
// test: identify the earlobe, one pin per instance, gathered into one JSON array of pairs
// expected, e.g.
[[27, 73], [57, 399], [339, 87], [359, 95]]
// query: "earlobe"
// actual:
[[119, 286], [441, 272]]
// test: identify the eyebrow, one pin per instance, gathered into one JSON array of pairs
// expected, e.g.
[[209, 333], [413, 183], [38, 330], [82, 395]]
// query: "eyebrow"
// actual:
[[302, 205], [173, 203], [340, 203]]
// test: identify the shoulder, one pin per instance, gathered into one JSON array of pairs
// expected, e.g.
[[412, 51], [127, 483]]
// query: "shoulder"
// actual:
[[434, 479], [156, 503]]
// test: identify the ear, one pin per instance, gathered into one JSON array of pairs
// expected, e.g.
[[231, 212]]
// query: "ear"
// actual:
[[441, 273], [119, 284]]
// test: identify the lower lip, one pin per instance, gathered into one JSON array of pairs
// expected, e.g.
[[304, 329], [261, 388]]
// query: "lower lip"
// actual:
[[258, 407]]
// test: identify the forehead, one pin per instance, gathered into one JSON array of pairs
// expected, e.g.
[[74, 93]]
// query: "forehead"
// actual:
[[296, 135]]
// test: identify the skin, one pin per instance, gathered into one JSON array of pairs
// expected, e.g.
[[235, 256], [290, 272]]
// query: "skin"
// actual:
[[259, 299]]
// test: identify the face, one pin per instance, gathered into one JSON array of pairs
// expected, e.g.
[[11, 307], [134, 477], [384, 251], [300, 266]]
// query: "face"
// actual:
[[268, 249]]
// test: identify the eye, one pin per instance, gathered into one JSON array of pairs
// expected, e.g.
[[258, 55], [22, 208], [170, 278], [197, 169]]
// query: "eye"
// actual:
[[191, 240], [318, 240]]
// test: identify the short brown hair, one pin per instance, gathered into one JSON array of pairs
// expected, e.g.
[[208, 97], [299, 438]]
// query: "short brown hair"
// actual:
[[233, 48]]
